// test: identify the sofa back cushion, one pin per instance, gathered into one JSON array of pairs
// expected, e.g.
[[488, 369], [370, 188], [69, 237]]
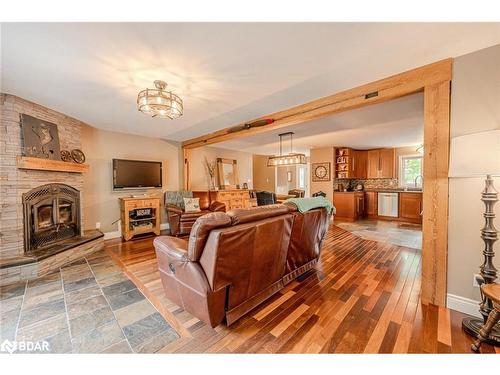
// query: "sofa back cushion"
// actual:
[[204, 199], [309, 229], [177, 197], [247, 215], [201, 229], [249, 256]]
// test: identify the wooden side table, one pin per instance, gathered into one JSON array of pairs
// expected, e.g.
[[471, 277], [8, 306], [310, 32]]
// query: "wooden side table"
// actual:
[[148, 224], [492, 291]]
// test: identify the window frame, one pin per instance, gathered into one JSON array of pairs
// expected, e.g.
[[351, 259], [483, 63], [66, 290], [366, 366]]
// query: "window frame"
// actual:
[[401, 179]]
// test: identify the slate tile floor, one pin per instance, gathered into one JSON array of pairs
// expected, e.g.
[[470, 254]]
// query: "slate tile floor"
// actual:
[[393, 232], [89, 306]]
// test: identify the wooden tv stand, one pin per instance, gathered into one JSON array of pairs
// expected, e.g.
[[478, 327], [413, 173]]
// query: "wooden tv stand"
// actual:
[[134, 226]]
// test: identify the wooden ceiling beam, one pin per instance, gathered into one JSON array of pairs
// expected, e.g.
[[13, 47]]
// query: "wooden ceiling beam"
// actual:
[[386, 89]]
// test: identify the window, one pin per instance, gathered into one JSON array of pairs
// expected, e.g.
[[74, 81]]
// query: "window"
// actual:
[[410, 169], [302, 177]]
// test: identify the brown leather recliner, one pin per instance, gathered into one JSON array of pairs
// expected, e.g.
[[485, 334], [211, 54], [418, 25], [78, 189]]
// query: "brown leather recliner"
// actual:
[[181, 222], [234, 261]]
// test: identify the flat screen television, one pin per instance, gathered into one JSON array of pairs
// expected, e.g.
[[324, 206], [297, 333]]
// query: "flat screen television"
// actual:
[[136, 174]]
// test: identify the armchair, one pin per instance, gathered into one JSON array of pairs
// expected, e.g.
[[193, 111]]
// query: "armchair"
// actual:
[[180, 222], [265, 197]]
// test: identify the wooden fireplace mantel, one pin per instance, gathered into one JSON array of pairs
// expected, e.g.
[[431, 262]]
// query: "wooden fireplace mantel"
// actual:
[[26, 162]]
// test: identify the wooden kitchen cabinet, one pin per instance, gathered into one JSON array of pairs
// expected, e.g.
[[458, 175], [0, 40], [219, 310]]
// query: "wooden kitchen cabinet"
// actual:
[[373, 162], [410, 207], [371, 203], [350, 206], [359, 163], [350, 163], [387, 163], [381, 163]]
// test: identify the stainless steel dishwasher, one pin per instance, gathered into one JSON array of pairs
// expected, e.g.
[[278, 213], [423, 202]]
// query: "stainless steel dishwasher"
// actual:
[[388, 204]]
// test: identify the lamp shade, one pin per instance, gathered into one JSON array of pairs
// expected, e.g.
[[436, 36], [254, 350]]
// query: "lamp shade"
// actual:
[[475, 154]]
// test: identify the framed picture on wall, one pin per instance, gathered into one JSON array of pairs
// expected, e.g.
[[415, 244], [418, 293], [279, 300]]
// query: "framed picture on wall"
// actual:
[[321, 172]]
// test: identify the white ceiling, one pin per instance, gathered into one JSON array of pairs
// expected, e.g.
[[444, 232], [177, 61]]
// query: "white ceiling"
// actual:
[[226, 73], [398, 123]]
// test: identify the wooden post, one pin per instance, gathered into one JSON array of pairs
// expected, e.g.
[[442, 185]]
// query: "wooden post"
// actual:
[[186, 153], [435, 195]]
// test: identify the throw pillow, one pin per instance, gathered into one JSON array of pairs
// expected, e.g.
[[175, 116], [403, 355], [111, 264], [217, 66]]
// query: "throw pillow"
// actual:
[[192, 204]]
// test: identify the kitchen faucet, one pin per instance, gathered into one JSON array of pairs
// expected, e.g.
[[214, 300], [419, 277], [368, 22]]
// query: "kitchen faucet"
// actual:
[[416, 178]]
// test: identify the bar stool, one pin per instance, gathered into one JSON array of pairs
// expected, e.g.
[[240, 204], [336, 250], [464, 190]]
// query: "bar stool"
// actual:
[[492, 291]]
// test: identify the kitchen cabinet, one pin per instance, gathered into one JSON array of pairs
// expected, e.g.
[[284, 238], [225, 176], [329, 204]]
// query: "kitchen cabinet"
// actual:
[[388, 163], [381, 163], [410, 207], [371, 203], [350, 205], [350, 163], [359, 161], [373, 163]]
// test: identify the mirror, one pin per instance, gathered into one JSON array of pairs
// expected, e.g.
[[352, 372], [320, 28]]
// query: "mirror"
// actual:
[[228, 174]]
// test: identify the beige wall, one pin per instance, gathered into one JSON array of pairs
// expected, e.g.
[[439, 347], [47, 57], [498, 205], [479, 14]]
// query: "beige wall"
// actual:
[[199, 176], [100, 202], [475, 106], [322, 155], [264, 177]]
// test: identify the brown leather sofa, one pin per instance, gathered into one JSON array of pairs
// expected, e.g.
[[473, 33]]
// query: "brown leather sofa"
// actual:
[[234, 261], [181, 222]]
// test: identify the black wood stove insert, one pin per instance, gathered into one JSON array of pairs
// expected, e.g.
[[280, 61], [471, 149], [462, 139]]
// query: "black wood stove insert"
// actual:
[[51, 215]]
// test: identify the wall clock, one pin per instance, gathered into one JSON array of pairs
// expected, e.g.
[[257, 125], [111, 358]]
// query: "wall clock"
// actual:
[[320, 172]]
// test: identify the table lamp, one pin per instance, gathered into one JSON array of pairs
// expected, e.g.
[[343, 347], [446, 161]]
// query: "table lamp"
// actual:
[[478, 155]]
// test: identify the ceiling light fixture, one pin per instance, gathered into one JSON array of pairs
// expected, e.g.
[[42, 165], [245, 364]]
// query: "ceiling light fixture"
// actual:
[[285, 160], [160, 103]]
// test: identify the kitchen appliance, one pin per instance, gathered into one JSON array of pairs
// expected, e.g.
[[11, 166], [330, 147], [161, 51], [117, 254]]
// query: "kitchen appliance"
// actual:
[[388, 204]]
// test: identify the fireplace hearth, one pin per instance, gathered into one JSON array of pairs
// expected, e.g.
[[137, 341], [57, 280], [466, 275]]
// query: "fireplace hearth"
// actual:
[[51, 215]]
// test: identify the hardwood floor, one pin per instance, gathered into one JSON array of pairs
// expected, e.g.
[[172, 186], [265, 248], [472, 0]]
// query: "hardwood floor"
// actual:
[[363, 297]]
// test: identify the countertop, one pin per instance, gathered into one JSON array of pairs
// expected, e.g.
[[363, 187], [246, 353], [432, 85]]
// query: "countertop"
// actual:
[[383, 191]]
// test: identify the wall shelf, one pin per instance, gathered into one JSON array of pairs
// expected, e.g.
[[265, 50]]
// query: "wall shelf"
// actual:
[[26, 162]]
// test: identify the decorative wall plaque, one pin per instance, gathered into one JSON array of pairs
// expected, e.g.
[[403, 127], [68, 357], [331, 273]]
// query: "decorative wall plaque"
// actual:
[[320, 172], [78, 156], [41, 138]]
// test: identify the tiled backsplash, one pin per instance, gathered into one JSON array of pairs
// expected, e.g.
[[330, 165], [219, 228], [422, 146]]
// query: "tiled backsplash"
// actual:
[[383, 183]]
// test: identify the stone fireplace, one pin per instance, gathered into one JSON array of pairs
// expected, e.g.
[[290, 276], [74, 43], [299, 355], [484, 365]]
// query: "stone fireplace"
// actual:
[[51, 214], [41, 221]]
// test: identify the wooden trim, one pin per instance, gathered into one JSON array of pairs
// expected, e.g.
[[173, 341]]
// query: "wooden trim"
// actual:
[[25, 162], [393, 87], [435, 198]]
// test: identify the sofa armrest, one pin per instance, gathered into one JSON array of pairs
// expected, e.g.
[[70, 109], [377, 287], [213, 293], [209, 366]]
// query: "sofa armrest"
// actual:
[[173, 247], [217, 207], [172, 208]]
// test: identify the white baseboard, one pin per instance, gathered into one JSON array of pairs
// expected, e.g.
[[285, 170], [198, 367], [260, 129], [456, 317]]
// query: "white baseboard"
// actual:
[[462, 304], [111, 235], [118, 233]]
